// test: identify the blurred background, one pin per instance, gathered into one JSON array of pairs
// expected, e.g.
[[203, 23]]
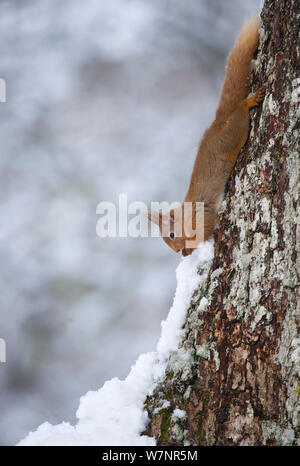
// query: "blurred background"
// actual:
[[103, 97]]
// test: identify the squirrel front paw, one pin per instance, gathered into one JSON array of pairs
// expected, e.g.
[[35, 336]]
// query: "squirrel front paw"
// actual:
[[186, 251], [259, 95], [255, 99]]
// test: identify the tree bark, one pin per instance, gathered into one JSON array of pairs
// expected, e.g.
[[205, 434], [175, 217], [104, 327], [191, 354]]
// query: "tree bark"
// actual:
[[240, 384]]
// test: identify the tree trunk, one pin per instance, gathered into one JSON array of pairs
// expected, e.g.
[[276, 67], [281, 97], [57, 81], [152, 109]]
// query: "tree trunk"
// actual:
[[240, 384]]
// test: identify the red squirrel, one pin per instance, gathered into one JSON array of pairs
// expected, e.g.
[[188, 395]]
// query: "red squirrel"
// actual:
[[219, 147]]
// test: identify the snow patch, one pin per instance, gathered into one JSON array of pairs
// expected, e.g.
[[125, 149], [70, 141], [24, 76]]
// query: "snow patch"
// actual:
[[179, 413], [203, 303], [114, 414]]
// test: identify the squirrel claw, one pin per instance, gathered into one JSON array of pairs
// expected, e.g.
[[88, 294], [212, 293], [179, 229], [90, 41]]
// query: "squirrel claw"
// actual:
[[259, 95], [255, 99]]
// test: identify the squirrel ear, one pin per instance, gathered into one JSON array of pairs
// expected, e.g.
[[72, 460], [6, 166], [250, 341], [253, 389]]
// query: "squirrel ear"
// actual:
[[155, 217]]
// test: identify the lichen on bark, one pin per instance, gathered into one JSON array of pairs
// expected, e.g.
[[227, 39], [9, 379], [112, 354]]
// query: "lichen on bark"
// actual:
[[236, 372]]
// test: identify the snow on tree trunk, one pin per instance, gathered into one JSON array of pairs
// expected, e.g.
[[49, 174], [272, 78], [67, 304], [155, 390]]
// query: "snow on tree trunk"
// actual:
[[235, 377]]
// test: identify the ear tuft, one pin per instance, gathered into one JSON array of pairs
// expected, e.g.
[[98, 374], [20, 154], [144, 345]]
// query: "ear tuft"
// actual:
[[155, 217]]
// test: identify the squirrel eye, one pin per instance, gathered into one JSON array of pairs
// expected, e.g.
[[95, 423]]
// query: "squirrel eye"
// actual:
[[172, 235]]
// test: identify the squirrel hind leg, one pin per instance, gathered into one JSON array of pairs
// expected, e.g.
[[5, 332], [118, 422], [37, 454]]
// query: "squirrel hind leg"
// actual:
[[254, 100]]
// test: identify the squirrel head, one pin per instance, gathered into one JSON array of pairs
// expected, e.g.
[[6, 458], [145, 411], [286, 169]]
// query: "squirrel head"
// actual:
[[171, 227]]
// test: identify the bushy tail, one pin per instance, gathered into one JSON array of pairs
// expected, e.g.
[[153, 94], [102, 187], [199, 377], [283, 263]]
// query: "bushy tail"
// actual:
[[236, 83]]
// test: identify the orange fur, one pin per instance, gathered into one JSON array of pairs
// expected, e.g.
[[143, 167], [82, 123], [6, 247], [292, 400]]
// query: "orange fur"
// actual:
[[225, 137]]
